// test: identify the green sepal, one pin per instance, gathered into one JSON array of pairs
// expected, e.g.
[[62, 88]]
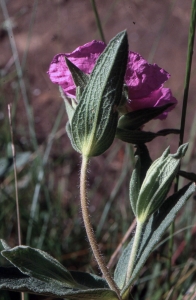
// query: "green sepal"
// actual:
[[135, 119], [141, 137], [135, 184], [78, 93], [124, 98], [14, 280], [69, 134], [152, 233], [157, 182], [69, 108], [94, 122], [142, 164], [73, 101], [79, 77]]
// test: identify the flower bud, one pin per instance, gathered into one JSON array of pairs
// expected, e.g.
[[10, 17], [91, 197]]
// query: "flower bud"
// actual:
[[157, 183]]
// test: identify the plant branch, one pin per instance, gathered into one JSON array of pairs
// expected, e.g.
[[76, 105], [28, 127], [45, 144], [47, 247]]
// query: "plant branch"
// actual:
[[15, 174], [134, 250], [89, 228], [16, 183], [188, 69], [98, 22]]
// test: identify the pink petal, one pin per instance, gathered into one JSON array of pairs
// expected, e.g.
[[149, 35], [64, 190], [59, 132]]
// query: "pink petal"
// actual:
[[157, 98], [60, 74], [84, 57], [144, 81], [143, 78]]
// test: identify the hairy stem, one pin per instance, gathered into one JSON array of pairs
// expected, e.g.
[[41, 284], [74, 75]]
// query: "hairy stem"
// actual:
[[89, 228], [134, 250]]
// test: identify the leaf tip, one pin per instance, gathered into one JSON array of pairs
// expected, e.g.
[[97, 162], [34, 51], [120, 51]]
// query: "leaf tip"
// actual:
[[181, 151]]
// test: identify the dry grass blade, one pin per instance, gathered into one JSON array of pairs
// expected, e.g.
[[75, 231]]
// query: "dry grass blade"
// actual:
[[16, 182], [19, 73], [15, 174]]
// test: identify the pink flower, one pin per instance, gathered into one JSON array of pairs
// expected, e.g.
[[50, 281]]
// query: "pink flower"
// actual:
[[84, 57], [145, 85], [144, 81]]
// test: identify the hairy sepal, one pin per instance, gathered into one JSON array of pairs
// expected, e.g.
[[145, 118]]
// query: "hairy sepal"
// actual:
[[95, 120], [157, 182]]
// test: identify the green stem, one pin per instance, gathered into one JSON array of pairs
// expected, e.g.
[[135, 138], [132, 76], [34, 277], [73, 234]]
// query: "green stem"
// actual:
[[188, 69], [89, 228], [183, 116], [134, 250], [98, 21]]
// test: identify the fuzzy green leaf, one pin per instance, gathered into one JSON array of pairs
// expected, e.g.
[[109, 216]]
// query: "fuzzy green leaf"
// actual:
[[121, 267], [88, 280], [157, 225], [95, 119], [153, 230], [39, 264], [141, 137], [12, 279], [135, 119], [5, 245]]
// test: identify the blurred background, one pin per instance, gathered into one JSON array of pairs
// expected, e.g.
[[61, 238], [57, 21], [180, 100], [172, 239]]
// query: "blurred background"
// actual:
[[31, 33]]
